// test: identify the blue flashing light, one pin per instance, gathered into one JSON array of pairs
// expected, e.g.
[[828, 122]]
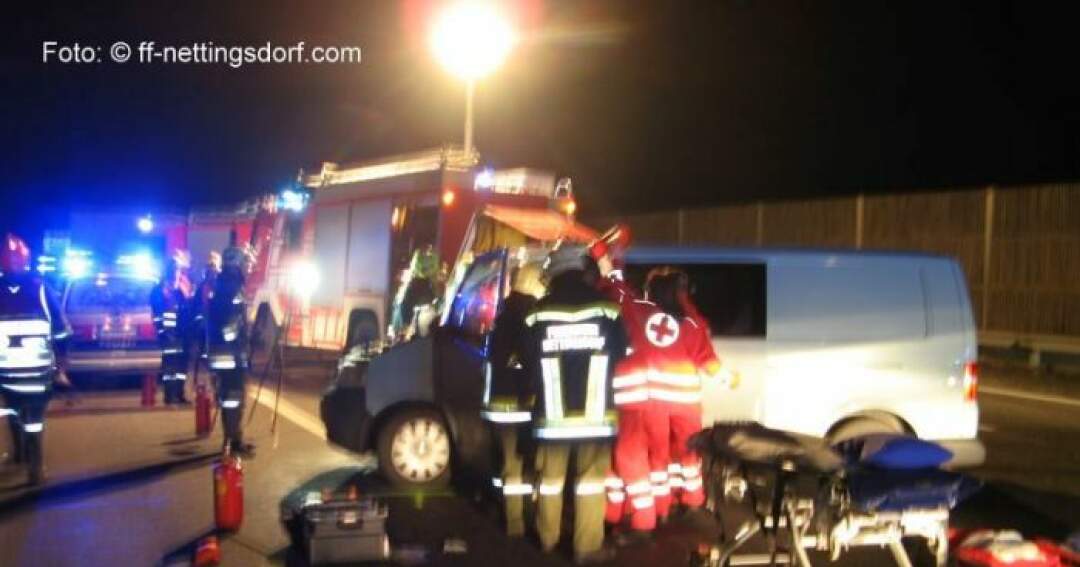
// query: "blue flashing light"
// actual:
[[292, 200], [145, 224], [76, 264], [485, 179], [140, 264]]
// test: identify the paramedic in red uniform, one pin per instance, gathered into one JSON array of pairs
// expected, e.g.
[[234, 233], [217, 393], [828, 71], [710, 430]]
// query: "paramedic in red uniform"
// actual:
[[657, 390]]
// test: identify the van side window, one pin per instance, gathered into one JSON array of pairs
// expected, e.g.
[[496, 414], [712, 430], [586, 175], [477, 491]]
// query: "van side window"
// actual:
[[730, 295], [477, 299]]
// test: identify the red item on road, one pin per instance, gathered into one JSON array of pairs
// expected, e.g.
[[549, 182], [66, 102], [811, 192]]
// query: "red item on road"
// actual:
[[1005, 548], [208, 553], [149, 390], [228, 493], [202, 411]]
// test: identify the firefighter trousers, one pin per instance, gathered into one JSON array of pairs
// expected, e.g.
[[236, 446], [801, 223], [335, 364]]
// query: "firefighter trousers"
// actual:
[[511, 480], [174, 364], [654, 463], [231, 393], [591, 460]]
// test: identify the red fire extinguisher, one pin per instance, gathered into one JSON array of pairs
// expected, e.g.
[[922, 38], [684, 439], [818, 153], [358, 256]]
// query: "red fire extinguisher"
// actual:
[[228, 492], [202, 410]]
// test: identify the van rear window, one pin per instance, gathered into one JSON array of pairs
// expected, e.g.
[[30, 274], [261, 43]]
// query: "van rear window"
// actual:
[[732, 296]]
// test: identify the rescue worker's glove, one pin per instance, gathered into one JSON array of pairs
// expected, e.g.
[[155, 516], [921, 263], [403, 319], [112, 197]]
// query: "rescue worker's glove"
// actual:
[[729, 379]]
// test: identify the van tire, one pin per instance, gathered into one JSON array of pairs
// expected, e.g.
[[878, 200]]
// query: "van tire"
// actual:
[[415, 449], [867, 425]]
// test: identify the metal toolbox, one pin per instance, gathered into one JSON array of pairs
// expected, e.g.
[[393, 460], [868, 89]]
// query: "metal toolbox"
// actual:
[[342, 530]]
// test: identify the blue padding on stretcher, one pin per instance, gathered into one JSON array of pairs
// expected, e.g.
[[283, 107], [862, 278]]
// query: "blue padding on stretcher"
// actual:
[[876, 490], [893, 451]]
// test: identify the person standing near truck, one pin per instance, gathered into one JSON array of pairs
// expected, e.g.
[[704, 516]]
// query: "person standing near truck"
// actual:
[[504, 382], [227, 344], [658, 394], [572, 341]]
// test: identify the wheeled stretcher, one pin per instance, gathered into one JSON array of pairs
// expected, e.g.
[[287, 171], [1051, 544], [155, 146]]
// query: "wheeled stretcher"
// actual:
[[804, 495]]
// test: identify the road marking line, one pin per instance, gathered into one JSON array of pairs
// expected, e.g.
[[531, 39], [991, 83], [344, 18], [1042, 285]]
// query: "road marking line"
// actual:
[[293, 413], [1033, 397]]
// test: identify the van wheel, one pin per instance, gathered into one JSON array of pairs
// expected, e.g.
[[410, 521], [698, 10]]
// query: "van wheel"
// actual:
[[864, 426], [414, 449]]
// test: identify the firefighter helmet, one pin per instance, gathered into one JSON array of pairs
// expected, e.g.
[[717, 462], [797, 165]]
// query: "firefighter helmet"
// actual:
[[14, 256], [236, 257]]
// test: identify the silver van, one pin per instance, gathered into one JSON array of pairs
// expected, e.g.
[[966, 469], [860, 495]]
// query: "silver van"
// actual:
[[831, 344]]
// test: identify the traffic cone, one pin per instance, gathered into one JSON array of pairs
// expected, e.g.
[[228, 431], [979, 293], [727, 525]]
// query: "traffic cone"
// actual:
[[149, 390], [202, 411], [207, 553]]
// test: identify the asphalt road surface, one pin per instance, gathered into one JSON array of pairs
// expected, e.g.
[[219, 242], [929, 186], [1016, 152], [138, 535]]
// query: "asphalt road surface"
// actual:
[[130, 486]]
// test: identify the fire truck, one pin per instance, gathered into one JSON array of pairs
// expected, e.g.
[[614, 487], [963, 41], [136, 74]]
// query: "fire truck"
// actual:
[[331, 253]]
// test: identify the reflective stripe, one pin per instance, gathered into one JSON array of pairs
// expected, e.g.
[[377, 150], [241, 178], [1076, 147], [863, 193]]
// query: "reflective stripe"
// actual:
[[169, 323], [223, 364], [676, 482], [174, 377], [169, 315], [572, 316], [25, 388], [487, 383], [552, 375], [61, 335], [550, 489], [596, 398], [589, 488], [642, 487], [519, 489], [661, 490], [616, 497], [674, 468], [24, 327], [692, 484], [33, 427], [575, 432], [690, 471], [642, 502], [671, 379], [171, 351], [676, 397], [613, 482], [658, 476], [507, 416], [229, 336], [7, 411], [496, 482], [230, 404]]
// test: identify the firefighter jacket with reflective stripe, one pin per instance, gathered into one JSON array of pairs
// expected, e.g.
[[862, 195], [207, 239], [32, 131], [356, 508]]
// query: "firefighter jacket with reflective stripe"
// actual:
[[226, 325], [504, 376], [668, 355], [573, 340], [169, 306], [31, 324]]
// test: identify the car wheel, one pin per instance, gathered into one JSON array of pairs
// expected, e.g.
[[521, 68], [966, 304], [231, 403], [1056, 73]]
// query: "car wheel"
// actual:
[[864, 426], [414, 449]]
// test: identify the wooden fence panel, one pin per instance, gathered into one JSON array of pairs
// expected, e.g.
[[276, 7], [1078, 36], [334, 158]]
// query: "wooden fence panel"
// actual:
[[822, 223]]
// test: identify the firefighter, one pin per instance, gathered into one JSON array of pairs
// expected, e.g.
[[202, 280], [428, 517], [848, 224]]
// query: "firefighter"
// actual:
[[226, 340], [33, 332], [504, 381], [170, 306], [573, 338], [200, 302], [657, 390]]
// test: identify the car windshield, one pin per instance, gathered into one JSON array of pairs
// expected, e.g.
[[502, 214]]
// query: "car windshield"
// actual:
[[110, 293]]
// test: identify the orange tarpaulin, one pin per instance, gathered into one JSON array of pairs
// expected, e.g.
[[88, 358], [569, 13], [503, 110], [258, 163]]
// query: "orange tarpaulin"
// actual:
[[541, 224]]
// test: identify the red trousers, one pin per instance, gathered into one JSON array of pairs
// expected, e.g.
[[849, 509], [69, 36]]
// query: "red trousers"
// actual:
[[653, 463]]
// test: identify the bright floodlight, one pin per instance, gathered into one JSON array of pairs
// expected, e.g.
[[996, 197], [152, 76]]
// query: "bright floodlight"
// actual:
[[145, 224], [304, 278], [472, 38]]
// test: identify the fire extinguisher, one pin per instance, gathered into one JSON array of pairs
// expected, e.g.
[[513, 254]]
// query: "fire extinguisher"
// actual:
[[228, 492], [202, 410]]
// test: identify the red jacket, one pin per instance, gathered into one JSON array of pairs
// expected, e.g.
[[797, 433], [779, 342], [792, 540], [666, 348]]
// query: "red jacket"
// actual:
[[667, 355]]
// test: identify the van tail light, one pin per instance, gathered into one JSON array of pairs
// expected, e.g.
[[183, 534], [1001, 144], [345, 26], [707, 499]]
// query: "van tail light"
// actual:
[[971, 381]]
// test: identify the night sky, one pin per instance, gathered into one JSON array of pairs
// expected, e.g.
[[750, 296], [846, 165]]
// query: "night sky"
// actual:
[[644, 104]]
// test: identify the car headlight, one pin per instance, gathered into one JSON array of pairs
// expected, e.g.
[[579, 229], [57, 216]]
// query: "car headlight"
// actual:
[[35, 343]]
